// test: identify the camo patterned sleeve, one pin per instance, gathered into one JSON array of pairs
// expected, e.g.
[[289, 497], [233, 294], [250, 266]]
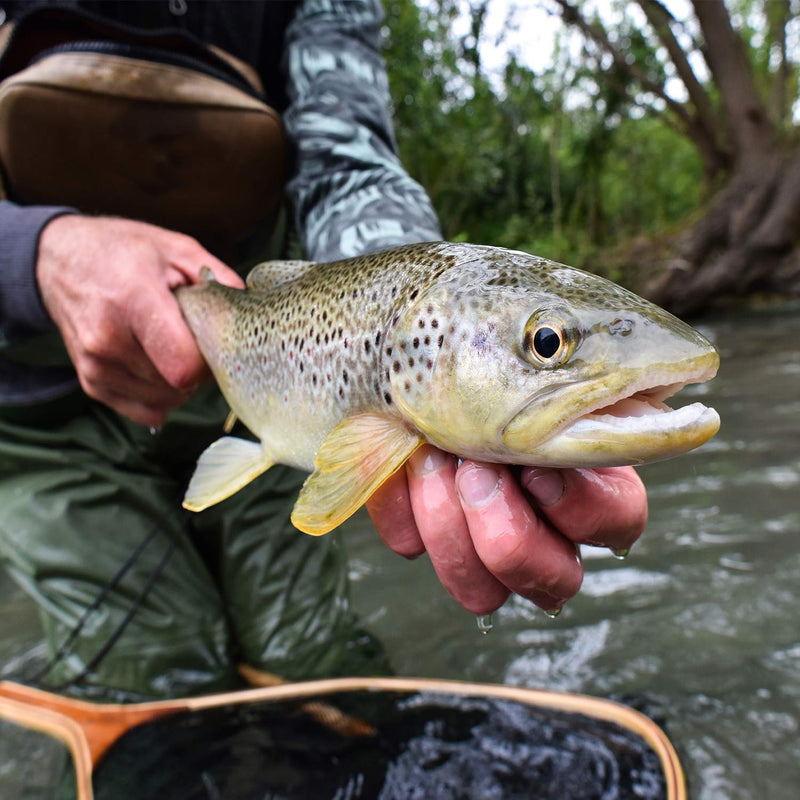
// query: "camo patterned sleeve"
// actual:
[[349, 191]]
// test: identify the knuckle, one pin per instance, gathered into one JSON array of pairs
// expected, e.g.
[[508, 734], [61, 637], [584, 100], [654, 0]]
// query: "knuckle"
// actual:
[[98, 340], [508, 555], [181, 376]]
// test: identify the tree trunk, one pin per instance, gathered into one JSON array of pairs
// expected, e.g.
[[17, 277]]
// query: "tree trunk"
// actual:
[[748, 241], [750, 231]]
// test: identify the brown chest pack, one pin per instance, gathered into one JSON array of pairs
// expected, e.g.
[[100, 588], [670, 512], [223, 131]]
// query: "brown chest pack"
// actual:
[[152, 126]]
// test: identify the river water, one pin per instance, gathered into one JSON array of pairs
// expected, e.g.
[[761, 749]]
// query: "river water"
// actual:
[[698, 626]]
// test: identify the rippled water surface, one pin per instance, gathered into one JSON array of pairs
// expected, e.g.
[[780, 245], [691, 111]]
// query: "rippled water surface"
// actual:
[[699, 625]]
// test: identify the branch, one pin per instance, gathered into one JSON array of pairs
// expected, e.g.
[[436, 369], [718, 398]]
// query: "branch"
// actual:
[[660, 18], [597, 34], [753, 134]]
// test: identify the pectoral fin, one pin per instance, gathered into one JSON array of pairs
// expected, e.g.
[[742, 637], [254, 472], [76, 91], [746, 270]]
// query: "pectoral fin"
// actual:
[[222, 469], [359, 454]]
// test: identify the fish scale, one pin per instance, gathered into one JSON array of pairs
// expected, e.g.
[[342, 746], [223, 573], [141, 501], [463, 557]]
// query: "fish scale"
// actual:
[[344, 369]]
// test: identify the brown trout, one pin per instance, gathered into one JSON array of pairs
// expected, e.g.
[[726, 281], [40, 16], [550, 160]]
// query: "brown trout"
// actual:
[[344, 369]]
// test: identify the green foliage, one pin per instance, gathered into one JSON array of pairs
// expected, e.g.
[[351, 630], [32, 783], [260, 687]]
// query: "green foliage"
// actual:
[[506, 163]]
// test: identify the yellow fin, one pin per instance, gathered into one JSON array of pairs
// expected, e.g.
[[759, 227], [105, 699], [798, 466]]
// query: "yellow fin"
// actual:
[[223, 468], [360, 453], [274, 273]]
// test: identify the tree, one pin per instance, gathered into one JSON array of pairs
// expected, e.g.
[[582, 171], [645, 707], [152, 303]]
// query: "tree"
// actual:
[[738, 116]]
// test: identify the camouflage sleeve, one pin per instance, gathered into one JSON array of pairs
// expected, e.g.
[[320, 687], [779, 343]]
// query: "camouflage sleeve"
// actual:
[[349, 192]]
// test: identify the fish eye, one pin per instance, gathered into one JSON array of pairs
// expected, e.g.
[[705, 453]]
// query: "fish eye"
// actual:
[[548, 341]]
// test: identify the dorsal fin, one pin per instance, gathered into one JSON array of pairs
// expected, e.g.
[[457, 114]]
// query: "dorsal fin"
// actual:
[[273, 273]]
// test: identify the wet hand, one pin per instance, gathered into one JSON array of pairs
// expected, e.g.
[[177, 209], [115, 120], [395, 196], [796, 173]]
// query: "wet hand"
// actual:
[[106, 283], [489, 534]]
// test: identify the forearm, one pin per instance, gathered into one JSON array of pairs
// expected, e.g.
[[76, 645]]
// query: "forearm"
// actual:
[[349, 191]]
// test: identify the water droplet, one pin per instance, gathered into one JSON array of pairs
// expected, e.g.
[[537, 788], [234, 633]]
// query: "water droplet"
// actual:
[[621, 554], [153, 431], [553, 612], [485, 623]]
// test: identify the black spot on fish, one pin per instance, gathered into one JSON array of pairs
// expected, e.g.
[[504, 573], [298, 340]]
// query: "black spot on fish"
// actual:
[[314, 379], [434, 323], [441, 341], [413, 295], [367, 346], [341, 392], [416, 343], [302, 367], [345, 376], [394, 292], [419, 377], [427, 341], [421, 323], [411, 362], [429, 363], [396, 366], [430, 310], [378, 339], [407, 386], [389, 352], [387, 397]]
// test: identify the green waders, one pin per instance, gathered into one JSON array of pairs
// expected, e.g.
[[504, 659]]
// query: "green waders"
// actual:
[[91, 519]]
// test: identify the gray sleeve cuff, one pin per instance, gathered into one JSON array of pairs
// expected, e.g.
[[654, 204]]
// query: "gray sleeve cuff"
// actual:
[[22, 313]]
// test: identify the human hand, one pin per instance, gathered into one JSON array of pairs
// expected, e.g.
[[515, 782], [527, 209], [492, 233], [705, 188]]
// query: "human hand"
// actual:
[[107, 284], [489, 534]]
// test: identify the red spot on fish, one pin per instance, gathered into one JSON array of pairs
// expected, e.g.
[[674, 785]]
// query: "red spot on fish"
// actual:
[[346, 342], [291, 354]]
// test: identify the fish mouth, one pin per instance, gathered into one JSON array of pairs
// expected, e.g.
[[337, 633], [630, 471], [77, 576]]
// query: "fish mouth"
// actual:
[[629, 426]]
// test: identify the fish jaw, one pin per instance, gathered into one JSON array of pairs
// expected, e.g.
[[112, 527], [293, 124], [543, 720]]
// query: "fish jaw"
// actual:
[[627, 423]]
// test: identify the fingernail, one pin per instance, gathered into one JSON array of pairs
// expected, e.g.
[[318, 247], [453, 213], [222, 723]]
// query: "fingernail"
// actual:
[[432, 460], [477, 485], [546, 485]]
